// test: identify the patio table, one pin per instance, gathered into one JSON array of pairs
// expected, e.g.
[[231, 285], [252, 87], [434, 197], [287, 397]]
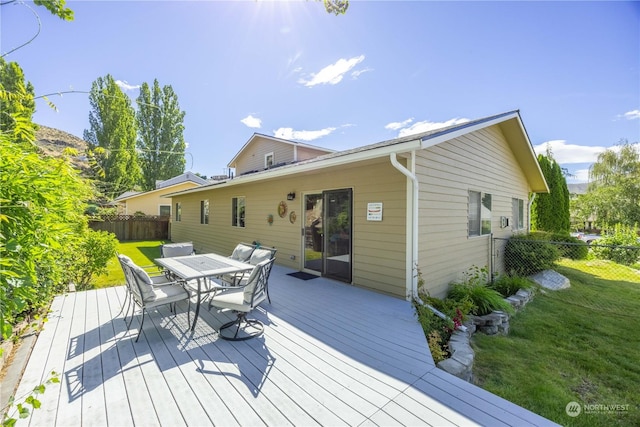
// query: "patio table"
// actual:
[[200, 268]]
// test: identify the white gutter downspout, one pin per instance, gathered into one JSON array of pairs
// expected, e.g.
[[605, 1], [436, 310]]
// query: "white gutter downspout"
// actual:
[[413, 212], [413, 233], [533, 197]]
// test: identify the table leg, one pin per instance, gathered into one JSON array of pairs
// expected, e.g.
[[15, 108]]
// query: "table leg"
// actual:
[[195, 317]]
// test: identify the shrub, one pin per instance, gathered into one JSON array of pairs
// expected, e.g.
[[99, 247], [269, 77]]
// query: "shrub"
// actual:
[[484, 299], [89, 257], [437, 346], [508, 285], [528, 254], [619, 245], [574, 249]]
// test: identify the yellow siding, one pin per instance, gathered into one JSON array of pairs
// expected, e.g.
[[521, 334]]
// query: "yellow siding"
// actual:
[[481, 161], [150, 202], [253, 156], [378, 252], [305, 153]]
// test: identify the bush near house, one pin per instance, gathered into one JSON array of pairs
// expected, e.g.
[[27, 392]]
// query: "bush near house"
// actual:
[[527, 254]]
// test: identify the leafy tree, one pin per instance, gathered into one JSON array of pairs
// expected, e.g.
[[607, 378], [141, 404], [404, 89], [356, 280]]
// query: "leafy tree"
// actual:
[[17, 103], [337, 7], [550, 211], [112, 138], [160, 134], [613, 195], [57, 8]]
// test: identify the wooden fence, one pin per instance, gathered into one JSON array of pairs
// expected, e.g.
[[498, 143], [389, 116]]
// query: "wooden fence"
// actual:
[[132, 227]]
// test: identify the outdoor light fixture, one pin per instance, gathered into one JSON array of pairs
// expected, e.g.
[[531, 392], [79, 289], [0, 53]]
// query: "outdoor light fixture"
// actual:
[[291, 196]]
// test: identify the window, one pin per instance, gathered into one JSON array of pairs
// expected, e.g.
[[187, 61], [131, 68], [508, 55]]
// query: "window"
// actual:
[[268, 160], [165, 210], [178, 211], [517, 206], [204, 211], [479, 213], [237, 211]]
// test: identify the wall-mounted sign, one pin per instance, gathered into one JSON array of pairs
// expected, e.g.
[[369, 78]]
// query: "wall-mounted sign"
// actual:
[[374, 211]]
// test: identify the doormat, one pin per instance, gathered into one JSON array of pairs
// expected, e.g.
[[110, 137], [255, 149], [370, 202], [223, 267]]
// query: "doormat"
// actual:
[[302, 275]]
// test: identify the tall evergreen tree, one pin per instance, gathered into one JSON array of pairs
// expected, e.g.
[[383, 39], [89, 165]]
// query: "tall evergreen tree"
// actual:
[[17, 103], [160, 134], [112, 138], [550, 212]]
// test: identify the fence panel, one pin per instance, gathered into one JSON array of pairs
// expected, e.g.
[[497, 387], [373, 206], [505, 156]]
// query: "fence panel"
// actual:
[[524, 257], [131, 227]]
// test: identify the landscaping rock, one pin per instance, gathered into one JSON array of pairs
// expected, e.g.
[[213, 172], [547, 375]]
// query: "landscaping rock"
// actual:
[[456, 368], [550, 279]]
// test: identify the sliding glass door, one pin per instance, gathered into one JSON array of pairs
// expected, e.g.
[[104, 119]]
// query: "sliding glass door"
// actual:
[[327, 233]]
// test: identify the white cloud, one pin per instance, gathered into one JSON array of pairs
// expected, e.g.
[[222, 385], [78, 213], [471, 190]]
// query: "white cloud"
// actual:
[[332, 74], [565, 153], [302, 135], [252, 122], [579, 175], [632, 115], [398, 125], [125, 86], [356, 73], [426, 126]]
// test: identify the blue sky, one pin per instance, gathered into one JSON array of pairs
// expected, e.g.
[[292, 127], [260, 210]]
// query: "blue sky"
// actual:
[[383, 70]]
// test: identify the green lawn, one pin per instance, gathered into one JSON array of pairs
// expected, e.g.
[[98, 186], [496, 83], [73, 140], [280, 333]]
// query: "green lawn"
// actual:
[[581, 344], [141, 252]]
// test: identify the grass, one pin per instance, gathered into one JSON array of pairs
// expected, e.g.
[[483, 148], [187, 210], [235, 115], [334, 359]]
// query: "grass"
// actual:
[[580, 344], [141, 252]]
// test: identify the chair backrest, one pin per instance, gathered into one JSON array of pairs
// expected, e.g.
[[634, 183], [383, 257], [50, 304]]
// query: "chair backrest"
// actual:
[[170, 250], [242, 252], [255, 289], [138, 281]]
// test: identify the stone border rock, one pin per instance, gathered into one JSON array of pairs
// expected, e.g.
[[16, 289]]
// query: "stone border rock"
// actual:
[[460, 363]]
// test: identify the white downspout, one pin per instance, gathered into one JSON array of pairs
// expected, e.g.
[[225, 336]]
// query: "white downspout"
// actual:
[[414, 231], [533, 197], [414, 213]]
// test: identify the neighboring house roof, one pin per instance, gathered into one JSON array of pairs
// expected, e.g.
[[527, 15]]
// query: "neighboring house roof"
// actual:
[[256, 136], [510, 123], [187, 176], [164, 185]]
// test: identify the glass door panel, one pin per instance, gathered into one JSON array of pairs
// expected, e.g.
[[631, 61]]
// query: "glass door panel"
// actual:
[[313, 233], [337, 236]]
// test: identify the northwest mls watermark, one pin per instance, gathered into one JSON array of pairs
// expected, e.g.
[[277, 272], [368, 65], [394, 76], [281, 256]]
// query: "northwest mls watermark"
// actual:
[[573, 409]]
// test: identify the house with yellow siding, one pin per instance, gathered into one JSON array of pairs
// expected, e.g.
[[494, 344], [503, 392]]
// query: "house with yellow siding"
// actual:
[[152, 202], [373, 215]]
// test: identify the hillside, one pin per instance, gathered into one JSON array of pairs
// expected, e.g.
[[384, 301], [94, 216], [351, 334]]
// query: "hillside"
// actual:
[[52, 142]]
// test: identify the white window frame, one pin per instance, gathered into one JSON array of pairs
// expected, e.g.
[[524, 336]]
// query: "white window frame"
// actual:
[[238, 211], [267, 157], [517, 206], [204, 211], [479, 214], [163, 206]]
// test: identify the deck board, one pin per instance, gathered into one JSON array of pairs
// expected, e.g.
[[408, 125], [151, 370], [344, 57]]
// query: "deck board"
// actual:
[[331, 354]]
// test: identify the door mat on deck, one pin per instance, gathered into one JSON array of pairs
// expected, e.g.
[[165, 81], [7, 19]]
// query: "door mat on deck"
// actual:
[[302, 275]]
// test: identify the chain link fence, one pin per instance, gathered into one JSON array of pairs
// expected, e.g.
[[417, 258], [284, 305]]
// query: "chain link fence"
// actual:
[[597, 264], [524, 257]]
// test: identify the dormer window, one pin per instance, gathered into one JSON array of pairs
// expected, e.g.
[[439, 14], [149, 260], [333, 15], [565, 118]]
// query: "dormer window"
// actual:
[[268, 160]]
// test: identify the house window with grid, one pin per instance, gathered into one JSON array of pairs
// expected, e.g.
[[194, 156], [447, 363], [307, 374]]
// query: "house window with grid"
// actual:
[[237, 211], [517, 205], [204, 211], [268, 160], [164, 210], [178, 212], [479, 213]]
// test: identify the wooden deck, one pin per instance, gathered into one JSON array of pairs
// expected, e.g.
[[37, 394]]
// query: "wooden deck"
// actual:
[[331, 354]]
